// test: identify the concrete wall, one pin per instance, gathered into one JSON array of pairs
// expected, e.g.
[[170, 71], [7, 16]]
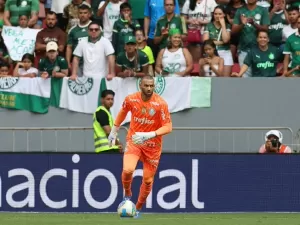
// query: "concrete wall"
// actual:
[[252, 102]]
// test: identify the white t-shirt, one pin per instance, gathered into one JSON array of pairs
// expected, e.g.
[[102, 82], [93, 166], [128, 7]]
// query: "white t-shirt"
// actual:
[[111, 15], [287, 31], [59, 5], [95, 63], [173, 62], [262, 3], [203, 10], [23, 72]]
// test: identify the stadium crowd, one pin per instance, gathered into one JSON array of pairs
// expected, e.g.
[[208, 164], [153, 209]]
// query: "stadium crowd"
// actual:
[[107, 38]]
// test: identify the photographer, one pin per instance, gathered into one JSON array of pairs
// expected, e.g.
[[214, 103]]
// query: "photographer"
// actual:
[[274, 143]]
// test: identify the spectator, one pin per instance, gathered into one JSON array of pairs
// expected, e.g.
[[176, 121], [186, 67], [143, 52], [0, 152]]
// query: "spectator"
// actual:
[[142, 45], [48, 34], [125, 26], [132, 62], [23, 21], [288, 30], [212, 65], [53, 65], [174, 60], [4, 56], [154, 9], [71, 14], [24, 68], [231, 10], [262, 59], [41, 15], [2, 4], [138, 7], [274, 144], [278, 17], [167, 22], [110, 10], [58, 6], [97, 53], [248, 20], [197, 14], [14, 9], [292, 48], [4, 70], [76, 34], [219, 31]]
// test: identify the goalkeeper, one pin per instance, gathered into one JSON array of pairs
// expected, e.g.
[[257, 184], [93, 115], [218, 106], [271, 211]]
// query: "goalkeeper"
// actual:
[[150, 120]]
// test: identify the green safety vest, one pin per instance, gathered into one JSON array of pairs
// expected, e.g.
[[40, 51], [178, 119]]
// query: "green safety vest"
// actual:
[[100, 138]]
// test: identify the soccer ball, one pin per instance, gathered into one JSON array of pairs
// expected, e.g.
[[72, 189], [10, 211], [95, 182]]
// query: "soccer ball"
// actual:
[[126, 209]]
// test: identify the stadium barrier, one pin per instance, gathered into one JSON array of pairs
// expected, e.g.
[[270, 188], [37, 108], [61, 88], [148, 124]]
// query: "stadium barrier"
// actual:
[[57, 182], [181, 140]]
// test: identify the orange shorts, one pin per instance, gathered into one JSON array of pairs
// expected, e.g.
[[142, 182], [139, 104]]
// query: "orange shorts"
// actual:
[[148, 156]]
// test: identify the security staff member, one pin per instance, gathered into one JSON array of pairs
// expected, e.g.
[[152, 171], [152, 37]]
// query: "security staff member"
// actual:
[[103, 123]]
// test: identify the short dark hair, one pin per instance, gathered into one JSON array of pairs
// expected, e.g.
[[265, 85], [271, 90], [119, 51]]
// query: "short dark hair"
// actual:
[[51, 13], [174, 2], [85, 7], [24, 15], [147, 77], [262, 31], [28, 56], [94, 23], [107, 92], [4, 64], [125, 5], [292, 8], [139, 29]]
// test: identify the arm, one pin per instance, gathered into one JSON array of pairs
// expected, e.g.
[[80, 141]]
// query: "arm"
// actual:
[[38, 44], [201, 70], [111, 65], [286, 63], [219, 72], [33, 19], [103, 120], [158, 65], [146, 26], [6, 18], [189, 63], [69, 54], [225, 33], [239, 22], [290, 72], [243, 70], [16, 70], [75, 65], [102, 7], [126, 107], [166, 127]]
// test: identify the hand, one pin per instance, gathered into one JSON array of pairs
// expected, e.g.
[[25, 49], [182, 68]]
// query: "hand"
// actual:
[[208, 61], [286, 74], [234, 74], [53, 73], [244, 19], [276, 8], [112, 137], [44, 75], [165, 32], [73, 77], [250, 20], [127, 72], [140, 137], [110, 76], [20, 64], [222, 21]]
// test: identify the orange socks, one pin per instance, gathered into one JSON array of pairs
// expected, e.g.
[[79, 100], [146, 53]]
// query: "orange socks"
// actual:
[[144, 192], [127, 180]]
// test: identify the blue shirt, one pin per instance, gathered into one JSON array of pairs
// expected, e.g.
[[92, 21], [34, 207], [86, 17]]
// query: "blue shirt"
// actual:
[[154, 9]]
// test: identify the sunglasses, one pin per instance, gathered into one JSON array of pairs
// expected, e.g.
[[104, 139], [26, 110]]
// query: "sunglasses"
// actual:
[[94, 29]]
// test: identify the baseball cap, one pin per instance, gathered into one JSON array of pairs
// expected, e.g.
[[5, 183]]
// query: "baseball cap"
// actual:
[[130, 39], [275, 133], [51, 46]]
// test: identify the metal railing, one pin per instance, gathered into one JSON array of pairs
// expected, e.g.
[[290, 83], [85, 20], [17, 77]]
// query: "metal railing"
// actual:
[[182, 139]]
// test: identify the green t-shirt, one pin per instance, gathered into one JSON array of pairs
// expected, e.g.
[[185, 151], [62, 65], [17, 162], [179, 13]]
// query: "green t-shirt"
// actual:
[[122, 29], [138, 7], [125, 63], [292, 47], [77, 33], [278, 21], [46, 66], [248, 34], [25, 7], [216, 35], [176, 22], [263, 63]]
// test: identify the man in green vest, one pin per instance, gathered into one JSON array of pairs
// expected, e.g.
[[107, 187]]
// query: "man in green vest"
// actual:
[[103, 122]]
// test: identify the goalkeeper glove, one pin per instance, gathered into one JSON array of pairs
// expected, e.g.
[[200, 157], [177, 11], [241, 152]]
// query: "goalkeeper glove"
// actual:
[[140, 137], [112, 137]]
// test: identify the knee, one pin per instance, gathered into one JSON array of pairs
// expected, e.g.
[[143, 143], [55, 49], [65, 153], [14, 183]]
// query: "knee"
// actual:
[[128, 171], [148, 180]]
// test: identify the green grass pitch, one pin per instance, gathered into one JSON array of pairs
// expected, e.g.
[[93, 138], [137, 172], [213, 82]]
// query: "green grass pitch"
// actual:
[[151, 219]]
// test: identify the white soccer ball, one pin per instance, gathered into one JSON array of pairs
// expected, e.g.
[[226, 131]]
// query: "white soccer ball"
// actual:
[[126, 209]]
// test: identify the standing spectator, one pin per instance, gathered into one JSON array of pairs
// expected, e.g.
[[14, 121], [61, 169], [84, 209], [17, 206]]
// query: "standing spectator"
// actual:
[[14, 9], [292, 48], [197, 14], [95, 8], [219, 31], [71, 13], [77, 33], [138, 7], [231, 10], [278, 17], [288, 30], [58, 6], [274, 144], [24, 68], [2, 4], [97, 53], [212, 65], [154, 9], [174, 60], [110, 11], [167, 22], [262, 59], [53, 65], [51, 33], [248, 20], [125, 26], [132, 62]]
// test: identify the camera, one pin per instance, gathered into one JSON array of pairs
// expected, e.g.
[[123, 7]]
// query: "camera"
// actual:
[[275, 143]]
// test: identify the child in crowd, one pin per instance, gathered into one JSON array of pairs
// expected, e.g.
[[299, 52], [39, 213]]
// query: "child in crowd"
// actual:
[[23, 21], [24, 68], [4, 70]]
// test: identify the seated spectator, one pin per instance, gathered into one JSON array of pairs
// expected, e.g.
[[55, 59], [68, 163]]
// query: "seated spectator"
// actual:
[[212, 65], [174, 60], [262, 59], [24, 68], [142, 45], [2, 4], [23, 21], [14, 9], [167, 22], [125, 26], [53, 65], [97, 54], [110, 10], [71, 13], [132, 62], [219, 31], [274, 144], [4, 70], [291, 28]]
